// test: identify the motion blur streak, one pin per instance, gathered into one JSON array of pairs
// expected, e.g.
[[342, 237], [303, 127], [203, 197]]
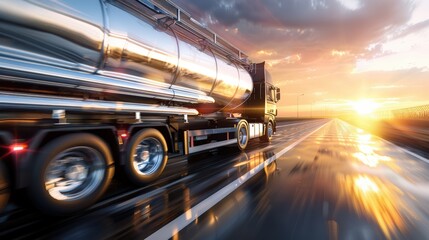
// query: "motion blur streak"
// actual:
[[339, 183], [170, 229], [367, 154], [378, 201]]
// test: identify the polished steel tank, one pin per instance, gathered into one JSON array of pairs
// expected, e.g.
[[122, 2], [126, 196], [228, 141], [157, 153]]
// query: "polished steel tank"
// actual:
[[117, 49]]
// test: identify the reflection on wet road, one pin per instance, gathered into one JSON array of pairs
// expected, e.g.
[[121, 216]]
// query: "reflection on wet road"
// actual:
[[317, 180], [128, 212], [340, 183]]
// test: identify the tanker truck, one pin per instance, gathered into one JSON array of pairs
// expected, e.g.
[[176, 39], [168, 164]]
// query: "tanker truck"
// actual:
[[90, 88]]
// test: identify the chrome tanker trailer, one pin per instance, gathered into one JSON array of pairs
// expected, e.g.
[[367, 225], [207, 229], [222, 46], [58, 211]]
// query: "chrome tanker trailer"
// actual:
[[90, 87]]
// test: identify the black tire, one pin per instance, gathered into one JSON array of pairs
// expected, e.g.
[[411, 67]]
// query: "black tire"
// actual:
[[146, 156], [242, 135], [79, 158], [4, 187], [268, 133]]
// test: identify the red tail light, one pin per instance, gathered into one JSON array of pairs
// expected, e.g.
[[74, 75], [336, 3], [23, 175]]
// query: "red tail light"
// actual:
[[18, 147]]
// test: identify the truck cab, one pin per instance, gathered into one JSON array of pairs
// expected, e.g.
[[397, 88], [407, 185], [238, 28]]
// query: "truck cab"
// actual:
[[261, 105]]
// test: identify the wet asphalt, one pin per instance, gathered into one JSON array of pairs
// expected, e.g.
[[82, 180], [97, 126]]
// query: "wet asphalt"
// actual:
[[339, 183], [320, 179]]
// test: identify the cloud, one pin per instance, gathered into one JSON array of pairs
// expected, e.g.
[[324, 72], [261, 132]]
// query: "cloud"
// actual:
[[314, 45], [387, 86], [405, 52], [286, 60], [320, 32], [327, 19], [417, 27]]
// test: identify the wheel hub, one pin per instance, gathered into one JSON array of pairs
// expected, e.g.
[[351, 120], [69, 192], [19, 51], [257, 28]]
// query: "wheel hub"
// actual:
[[74, 173], [148, 156], [77, 172], [242, 136], [144, 155]]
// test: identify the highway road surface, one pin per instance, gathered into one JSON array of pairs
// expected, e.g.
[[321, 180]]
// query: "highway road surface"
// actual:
[[319, 179]]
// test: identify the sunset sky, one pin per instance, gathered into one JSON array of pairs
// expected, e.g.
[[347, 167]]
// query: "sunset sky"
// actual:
[[338, 53]]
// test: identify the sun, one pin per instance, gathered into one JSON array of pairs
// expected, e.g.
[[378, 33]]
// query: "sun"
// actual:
[[365, 106]]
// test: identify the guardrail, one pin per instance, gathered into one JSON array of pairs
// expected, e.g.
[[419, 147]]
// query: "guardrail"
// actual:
[[411, 113], [419, 112]]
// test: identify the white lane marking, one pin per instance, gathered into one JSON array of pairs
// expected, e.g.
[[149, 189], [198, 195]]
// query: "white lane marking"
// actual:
[[400, 148], [173, 227], [408, 151]]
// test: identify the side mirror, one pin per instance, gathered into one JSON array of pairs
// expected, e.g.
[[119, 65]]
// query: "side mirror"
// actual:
[[278, 94]]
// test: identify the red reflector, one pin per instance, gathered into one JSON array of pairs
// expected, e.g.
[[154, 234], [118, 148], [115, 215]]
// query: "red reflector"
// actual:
[[18, 147], [122, 133]]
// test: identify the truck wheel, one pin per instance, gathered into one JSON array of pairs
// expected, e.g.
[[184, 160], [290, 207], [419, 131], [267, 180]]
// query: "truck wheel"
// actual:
[[242, 135], [4, 187], [268, 136], [70, 173], [146, 156]]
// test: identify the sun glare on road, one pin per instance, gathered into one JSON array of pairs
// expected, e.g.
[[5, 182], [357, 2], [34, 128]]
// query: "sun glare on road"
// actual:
[[365, 106]]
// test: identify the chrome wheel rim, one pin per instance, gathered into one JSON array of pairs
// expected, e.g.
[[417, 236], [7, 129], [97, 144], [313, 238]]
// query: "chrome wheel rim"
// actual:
[[270, 130], [242, 136], [148, 156], [74, 173]]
